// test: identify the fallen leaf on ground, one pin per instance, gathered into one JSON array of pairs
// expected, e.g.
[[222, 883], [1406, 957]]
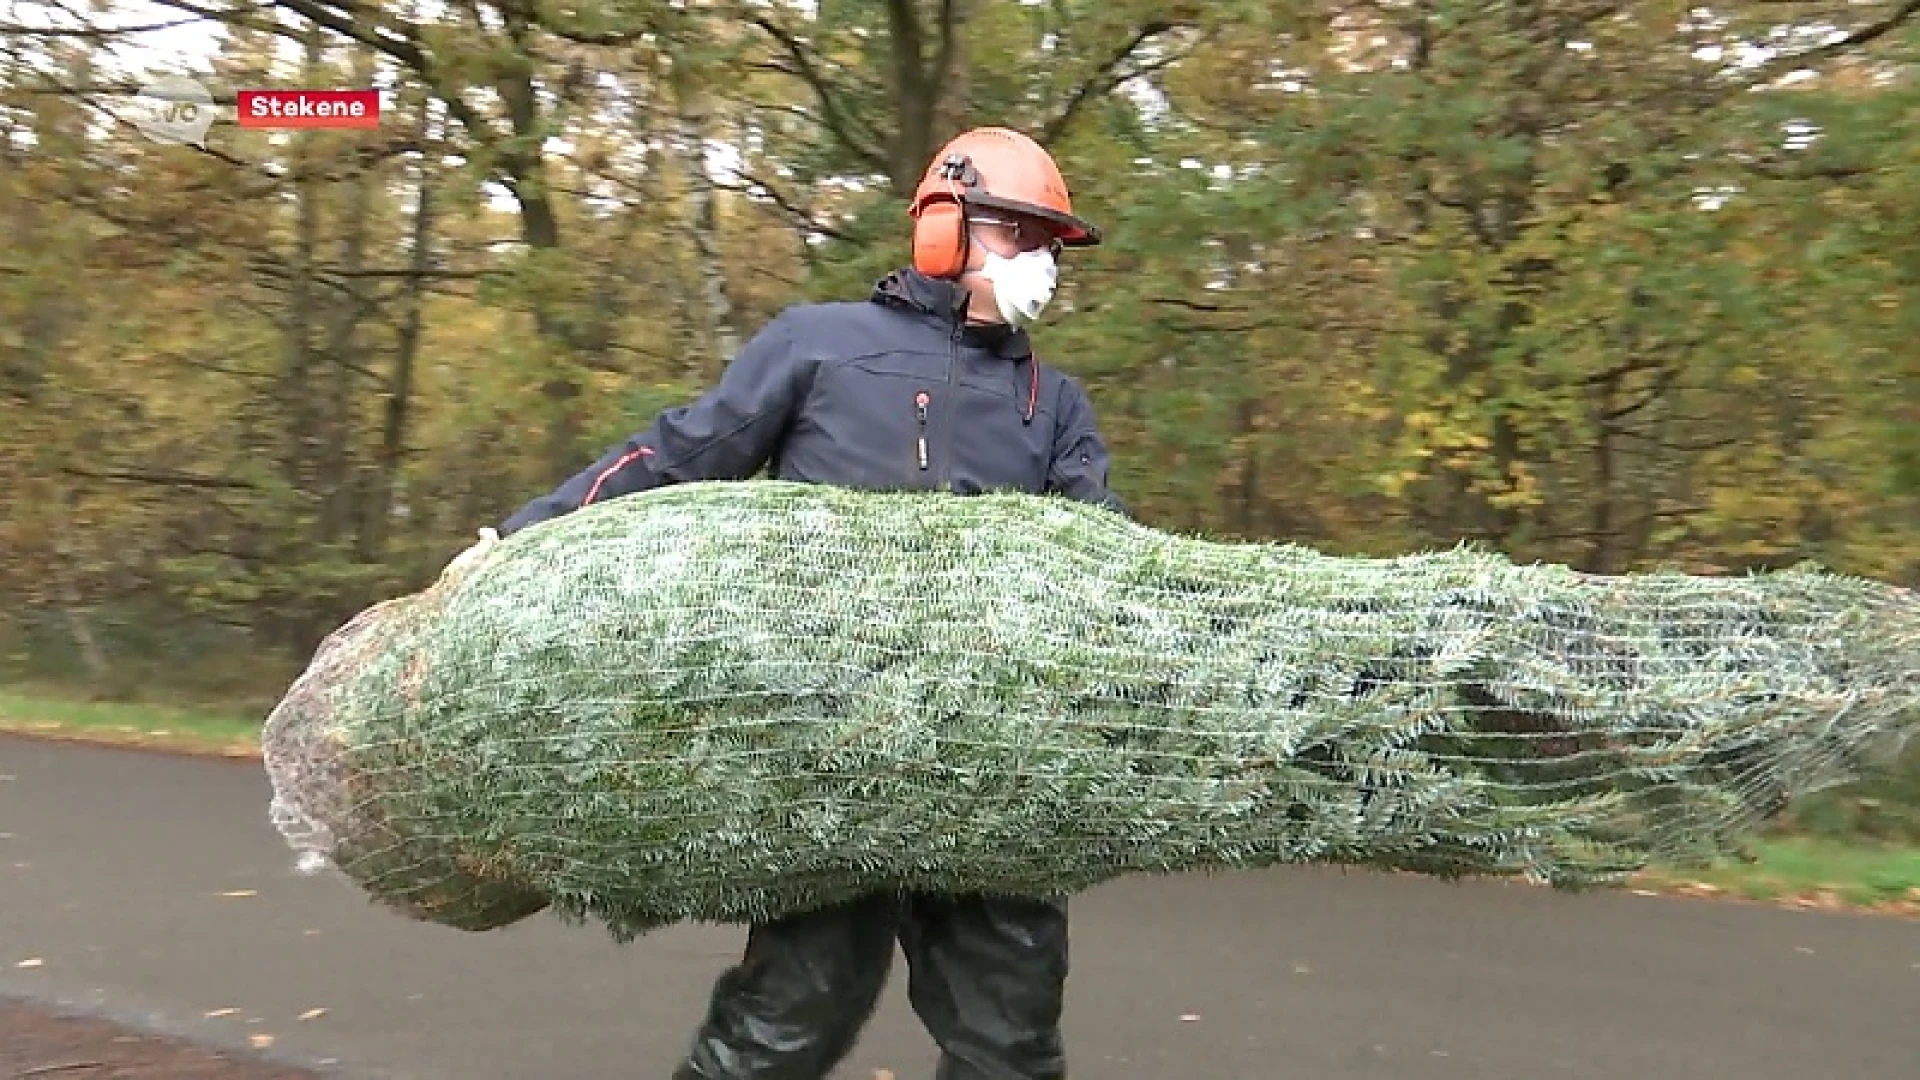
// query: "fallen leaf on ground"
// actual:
[[313, 1014]]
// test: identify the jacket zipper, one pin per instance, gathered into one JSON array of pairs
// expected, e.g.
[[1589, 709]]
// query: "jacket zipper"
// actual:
[[944, 477], [920, 413]]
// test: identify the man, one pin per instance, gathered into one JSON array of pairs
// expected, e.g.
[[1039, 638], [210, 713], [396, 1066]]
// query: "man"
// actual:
[[929, 384]]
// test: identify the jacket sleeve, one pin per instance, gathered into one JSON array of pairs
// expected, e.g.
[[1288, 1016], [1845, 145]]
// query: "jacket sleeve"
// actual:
[[727, 434], [1079, 453]]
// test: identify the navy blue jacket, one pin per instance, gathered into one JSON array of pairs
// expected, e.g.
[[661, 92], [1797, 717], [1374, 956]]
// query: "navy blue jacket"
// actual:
[[895, 392]]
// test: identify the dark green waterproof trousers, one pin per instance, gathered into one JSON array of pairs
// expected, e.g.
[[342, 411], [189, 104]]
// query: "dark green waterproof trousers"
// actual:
[[987, 976]]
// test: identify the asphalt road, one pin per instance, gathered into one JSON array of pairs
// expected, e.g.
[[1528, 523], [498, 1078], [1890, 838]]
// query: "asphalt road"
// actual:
[[116, 869]]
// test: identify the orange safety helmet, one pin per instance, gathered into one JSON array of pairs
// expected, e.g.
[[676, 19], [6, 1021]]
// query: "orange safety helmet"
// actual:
[[991, 167]]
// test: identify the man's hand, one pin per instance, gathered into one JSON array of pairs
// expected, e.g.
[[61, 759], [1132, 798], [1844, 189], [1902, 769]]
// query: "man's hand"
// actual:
[[473, 554]]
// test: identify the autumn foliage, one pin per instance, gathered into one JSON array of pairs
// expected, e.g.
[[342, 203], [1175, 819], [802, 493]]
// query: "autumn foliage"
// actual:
[[1565, 280]]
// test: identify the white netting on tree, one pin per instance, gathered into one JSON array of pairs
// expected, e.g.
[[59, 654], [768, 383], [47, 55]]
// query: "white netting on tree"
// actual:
[[726, 701]]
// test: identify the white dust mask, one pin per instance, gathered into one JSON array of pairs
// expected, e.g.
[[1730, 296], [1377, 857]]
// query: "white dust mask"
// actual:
[[1022, 285]]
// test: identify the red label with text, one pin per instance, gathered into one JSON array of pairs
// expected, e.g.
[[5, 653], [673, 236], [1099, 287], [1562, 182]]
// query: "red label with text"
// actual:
[[308, 108]]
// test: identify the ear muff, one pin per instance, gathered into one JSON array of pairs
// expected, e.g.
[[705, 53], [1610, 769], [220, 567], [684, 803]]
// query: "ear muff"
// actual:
[[940, 240]]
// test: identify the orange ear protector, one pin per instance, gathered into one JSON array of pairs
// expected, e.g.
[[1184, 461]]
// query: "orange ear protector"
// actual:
[[940, 238]]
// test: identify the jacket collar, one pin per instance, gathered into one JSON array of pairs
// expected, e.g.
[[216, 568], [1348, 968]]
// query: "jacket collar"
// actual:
[[947, 301]]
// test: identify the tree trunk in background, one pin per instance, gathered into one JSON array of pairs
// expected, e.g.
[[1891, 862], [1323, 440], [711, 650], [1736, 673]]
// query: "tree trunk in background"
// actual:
[[694, 118], [379, 509], [924, 57], [297, 395], [345, 352]]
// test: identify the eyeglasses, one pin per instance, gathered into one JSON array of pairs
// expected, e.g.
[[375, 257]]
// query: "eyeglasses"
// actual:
[[1028, 235]]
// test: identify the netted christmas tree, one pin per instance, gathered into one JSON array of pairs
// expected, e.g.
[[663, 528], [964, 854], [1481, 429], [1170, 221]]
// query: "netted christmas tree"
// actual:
[[723, 702]]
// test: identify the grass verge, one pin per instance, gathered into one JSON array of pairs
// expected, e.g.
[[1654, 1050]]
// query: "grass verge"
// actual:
[[229, 733], [1805, 872]]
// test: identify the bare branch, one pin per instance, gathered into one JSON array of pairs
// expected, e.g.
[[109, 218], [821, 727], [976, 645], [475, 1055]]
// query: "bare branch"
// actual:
[[800, 214], [824, 91], [410, 274], [798, 112], [1867, 33], [1108, 76], [1662, 383], [1196, 305], [1778, 170], [158, 476], [111, 89], [1615, 374], [1761, 74], [184, 360], [93, 33]]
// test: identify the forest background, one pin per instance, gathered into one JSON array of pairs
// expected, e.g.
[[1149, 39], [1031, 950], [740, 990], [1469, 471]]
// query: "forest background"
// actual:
[[1620, 284]]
